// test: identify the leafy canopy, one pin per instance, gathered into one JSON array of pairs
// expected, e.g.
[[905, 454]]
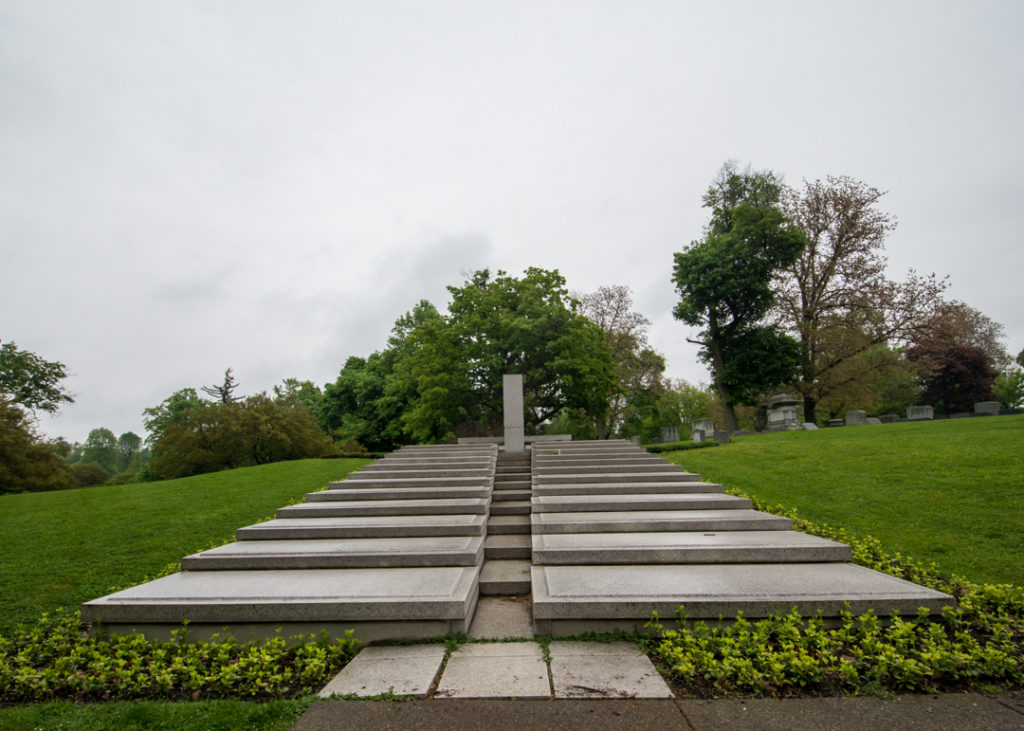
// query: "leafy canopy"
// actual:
[[31, 381]]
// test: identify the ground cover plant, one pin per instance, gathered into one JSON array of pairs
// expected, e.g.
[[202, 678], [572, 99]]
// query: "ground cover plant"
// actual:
[[63, 548], [945, 491]]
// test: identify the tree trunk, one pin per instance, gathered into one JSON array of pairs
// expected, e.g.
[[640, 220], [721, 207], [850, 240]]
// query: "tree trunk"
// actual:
[[718, 366], [810, 404]]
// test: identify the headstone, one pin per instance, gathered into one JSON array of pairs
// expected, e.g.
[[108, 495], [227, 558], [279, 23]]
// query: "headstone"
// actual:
[[706, 427], [834, 422], [987, 408], [920, 413], [722, 436], [810, 426], [873, 420], [635, 440], [697, 436], [670, 433], [512, 392], [857, 417], [782, 413], [889, 418]]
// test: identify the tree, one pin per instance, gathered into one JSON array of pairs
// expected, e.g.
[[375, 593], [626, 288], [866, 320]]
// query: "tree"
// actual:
[[1009, 387], [638, 368], [101, 447], [223, 393], [724, 282], [500, 325], [172, 409], [27, 463], [834, 297], [956, 323], [128, 446], [90, 474], [961, 377], [298, 393], [30, 381]]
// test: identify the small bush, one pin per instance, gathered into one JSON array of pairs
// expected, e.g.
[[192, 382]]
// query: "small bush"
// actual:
[[56, 659], [678, 446], [89, 474]]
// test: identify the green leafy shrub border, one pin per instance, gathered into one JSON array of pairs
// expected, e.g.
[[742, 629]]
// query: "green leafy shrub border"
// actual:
[[977, 645], [678, 446]]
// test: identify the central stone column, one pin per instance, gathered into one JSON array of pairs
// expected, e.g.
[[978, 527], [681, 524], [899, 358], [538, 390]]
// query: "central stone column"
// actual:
[[512, 390]]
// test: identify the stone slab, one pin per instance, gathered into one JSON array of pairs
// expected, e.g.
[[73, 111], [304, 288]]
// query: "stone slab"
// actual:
[[308, 595], [589, 466], [541, 478], [632, 592], [657, 520], [604, 670], [502, 617], [341, 553], [506, 576], [408, 670], [506, 524], [495, 670], [649, 488], [397, 526], [402, 493], [394, 482], [499, 547], [633, 502], [689, 547], [366, 508], [407, 470]]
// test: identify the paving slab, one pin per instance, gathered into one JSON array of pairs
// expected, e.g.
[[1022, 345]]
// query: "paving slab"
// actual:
[[495, 670], [630, 593], [604, 670], [447, 506], [620, 488], [666, 476], [306, 595], [340, 553], [401, 493], [373, 480], [408, 670], [505, 524], [637, 501], [516, 545], [501, 617], [366, 527], [771, 546], [657, 520]]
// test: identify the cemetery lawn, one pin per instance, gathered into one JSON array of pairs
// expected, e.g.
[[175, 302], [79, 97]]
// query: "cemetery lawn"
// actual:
[[948, 491], [64, 548]]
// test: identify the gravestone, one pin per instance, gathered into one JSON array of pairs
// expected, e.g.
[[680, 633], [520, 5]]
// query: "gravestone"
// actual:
[[704, 427], [920, 413], [810, 426], [512, 393], [889, 418], [987, 408], [873, 420], [670, 433], [834, 422], [722, 436], [782, 413], [857, 417]]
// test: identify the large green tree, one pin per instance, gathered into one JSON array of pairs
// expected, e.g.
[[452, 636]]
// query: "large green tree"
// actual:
[[724, 285], [101, 447], [27, 463], [31, 381], [504, 324]]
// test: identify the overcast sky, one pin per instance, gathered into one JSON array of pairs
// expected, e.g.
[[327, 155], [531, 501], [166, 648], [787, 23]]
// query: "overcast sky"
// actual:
[[191, 185]]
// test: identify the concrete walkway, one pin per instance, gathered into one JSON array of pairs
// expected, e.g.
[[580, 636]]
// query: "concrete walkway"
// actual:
[[954, 712]]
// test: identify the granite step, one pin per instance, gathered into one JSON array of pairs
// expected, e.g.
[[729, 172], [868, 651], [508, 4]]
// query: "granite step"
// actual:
[[340, 508], [383, 482], [510, 507], [657, 520], [508, 577], [378, 604], [505, 495], [542, 478], [590, 468], [510, 546], [383, 526], [773, 546], [340, 553], [506, 524], [570, 600], [409, 472], [399, 493], [614, 488], [634, 502]]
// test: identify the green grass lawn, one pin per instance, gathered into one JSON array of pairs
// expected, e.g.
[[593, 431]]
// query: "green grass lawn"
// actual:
[[63, 548], [948, 491]]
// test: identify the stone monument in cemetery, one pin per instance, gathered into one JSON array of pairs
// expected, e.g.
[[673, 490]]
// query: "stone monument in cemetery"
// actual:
[[856, 417], [986, 408], [702, 430], [920, 413], [782, 413], [670, 434], [512, 393]]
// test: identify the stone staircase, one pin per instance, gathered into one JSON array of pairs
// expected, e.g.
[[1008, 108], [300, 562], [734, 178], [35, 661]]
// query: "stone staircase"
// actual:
[[618, 533], [601, 534]]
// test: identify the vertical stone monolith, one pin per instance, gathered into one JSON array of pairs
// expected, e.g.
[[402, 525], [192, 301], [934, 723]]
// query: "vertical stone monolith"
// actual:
[[512, 390]]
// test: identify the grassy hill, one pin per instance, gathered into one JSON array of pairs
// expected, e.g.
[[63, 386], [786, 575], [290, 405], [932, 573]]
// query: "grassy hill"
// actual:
[[950, 491], [63, 548]]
